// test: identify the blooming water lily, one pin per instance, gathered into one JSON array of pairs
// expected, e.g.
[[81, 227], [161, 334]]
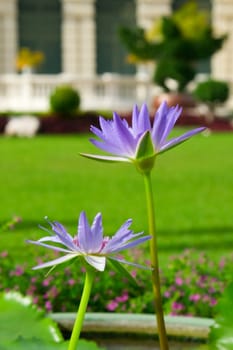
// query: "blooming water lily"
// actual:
[[141, 142], [89, 243]]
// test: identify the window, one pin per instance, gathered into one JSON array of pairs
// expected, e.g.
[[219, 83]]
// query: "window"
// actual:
[[40, 29], [111, 54]]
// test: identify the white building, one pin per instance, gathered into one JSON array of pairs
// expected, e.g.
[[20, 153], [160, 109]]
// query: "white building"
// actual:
[[79, 37]]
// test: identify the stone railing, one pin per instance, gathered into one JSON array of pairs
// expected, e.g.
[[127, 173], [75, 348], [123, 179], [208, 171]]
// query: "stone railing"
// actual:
[[30, 92]]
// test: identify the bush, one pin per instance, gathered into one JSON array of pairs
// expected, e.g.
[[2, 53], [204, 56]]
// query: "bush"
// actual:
[[212, 91], [64, 100]]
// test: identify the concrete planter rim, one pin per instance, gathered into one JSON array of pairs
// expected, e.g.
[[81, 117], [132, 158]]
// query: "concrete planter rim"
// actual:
[[144, 324]]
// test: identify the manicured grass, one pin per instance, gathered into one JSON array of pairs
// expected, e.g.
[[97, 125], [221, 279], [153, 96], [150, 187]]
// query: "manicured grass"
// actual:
[[193, 192]]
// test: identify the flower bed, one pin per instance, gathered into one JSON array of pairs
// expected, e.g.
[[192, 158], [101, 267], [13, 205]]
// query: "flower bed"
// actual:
[[53, 124], [191, 286]]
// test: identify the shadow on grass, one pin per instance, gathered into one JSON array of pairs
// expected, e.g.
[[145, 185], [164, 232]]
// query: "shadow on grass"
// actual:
[[202, 238]]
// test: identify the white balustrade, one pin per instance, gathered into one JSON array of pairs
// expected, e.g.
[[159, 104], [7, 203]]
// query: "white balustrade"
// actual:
[[30, 92]]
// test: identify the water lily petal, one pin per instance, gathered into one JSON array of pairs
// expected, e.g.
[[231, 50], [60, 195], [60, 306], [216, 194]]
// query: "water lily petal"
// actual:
[[141, 120], [53, 247], [130, 263], [84, 233], [64, 236], [111, 159], [172, 115], [177, 140], [57, 261], [129, 245], [96, 233], [98, 262]]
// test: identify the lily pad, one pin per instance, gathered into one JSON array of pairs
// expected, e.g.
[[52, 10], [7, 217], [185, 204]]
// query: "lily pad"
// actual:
[[20, 318], [221, 335], [37, 344]]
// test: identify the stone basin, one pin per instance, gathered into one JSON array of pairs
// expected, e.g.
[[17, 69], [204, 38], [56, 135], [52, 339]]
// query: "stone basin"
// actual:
[[120, 331]]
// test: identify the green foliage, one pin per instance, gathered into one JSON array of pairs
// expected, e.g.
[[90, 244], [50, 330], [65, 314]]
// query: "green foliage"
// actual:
[[191, 21], [38, 344], [20, 318], [221, 333], [173, 69], [137, 44], [64, 100], [212, 91], [191, 284], [175, 48], [23, 326]]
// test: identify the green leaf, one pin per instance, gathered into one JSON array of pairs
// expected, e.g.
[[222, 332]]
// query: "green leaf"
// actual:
[[20, 318], [38, 344], [118, 267], [221, 335]]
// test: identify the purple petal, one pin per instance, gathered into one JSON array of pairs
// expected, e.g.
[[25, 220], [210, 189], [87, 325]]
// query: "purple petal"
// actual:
[[105, 158], [115, 135], [108, 142], [177, 140], [54, 239], [97, 233], [108, 147], [63, 235], [170, 120], [121, 236], [98, 262], [130, 263], [56, 261], [58, 249], [130, 244], [84, 233], [165, 119], [159, 122], [124, 137], [140, 120], [135, 114]]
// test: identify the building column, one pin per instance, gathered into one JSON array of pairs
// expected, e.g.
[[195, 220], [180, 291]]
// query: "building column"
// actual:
[[147, 11], [222, 19], [8, 35], [78, 37]]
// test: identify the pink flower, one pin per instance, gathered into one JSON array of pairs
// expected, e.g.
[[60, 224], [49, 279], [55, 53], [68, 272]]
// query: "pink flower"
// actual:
[[179, 281], [167, 294], [213, 302], [4, 254], [112, 305], [48, 305], [195, 297], [35, 300], [71, 281], [177, 306], [124, 297], [46, 282]]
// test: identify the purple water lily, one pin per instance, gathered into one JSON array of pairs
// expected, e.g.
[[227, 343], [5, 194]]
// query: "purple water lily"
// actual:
[[141, 140], [89, 242]]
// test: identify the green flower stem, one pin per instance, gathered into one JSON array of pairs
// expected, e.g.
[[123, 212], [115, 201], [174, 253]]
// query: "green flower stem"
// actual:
[[155, 263], [82, 309]]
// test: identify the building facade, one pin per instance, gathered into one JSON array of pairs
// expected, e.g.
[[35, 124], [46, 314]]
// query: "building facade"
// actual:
[[80, 36]]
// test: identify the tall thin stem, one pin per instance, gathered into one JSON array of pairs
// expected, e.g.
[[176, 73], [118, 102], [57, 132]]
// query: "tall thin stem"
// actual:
[[155, 264], [81, 310]]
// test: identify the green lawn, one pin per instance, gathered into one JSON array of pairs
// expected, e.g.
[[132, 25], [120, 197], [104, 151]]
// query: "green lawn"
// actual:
[[193, 186]]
